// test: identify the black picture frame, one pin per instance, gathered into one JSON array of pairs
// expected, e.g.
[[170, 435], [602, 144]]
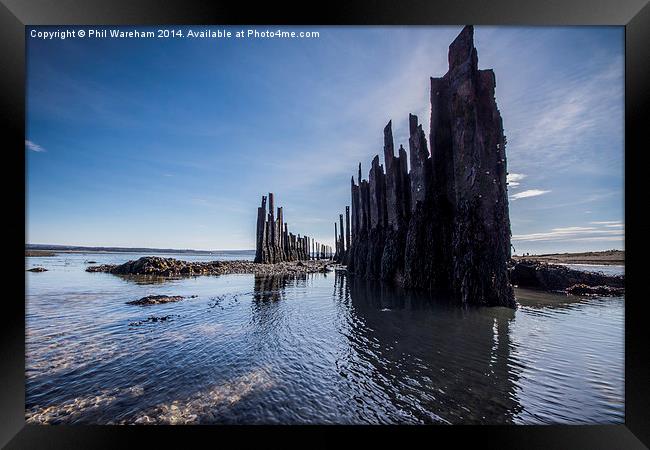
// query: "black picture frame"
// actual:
[[634, 15]]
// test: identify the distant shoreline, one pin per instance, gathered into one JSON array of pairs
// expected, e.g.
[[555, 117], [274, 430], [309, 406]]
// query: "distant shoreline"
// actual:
[[52, 250], [605, 258]]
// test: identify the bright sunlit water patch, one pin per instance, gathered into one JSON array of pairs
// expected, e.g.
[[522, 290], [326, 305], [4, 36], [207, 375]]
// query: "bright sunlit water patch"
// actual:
[[604, 269], [321, 348]]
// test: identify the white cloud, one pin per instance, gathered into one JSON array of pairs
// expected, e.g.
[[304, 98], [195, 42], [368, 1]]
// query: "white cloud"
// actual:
[[600, 238], [554, 123], [528, 193], [569, 229], [33, 146], [573, 233], [513, 179], [516, 177]]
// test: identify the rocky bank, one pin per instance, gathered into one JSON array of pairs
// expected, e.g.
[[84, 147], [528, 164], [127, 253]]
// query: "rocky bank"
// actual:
[[552, 277], [170, 267]]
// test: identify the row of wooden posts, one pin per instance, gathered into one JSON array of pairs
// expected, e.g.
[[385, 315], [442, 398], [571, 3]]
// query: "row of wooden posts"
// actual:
[[274, 242], [342, 242]]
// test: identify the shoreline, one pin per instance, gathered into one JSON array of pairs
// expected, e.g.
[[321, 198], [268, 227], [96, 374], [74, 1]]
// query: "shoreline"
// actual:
[[605, 258], [54, 252], [602, 258]]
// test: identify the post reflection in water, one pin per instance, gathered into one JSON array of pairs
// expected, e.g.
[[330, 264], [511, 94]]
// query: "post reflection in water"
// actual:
[[273, 287], [436, 361]]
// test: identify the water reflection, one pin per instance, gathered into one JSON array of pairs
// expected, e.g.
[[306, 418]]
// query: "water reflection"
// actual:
[[437, 362], [146, 279], [313, 348], [270, 288], [536, 299]]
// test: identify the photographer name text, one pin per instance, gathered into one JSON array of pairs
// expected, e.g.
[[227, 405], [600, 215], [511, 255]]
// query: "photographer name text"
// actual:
[[168, 33]]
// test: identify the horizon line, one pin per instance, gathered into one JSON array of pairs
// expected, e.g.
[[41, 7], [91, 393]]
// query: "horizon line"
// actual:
[[70, 246]]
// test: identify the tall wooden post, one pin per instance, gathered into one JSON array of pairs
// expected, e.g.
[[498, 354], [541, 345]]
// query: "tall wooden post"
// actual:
[[280, 233], [347, 228], [336, 237], [341, 240], [259, 241], [271, 227]]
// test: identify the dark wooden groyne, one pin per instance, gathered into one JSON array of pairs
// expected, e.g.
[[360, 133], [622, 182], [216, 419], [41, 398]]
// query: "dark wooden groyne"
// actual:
[[342, 238], [274, 242], [444, 225]]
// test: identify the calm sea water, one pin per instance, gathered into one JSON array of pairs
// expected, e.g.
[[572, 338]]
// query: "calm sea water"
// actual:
[[321, 348]]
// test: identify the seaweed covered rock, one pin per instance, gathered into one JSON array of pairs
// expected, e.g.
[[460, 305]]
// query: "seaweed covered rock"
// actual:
[[156, 266], [156, 300], [591, 291], [553, 277]]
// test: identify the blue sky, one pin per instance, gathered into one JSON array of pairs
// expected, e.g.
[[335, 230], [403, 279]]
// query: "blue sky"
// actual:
[[172, 142]]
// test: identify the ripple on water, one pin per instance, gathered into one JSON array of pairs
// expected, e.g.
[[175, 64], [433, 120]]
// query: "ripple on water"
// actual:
[[319, 348]]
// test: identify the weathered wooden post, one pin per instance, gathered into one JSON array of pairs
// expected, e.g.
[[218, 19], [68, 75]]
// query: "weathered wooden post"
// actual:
[[341, 240], [445, 225], [279, 232], [363, 203], [354, 192], [336, 237], [267, 241], [347, 229], [272, 227], [298, 239], [259, 241], [285, 242]]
